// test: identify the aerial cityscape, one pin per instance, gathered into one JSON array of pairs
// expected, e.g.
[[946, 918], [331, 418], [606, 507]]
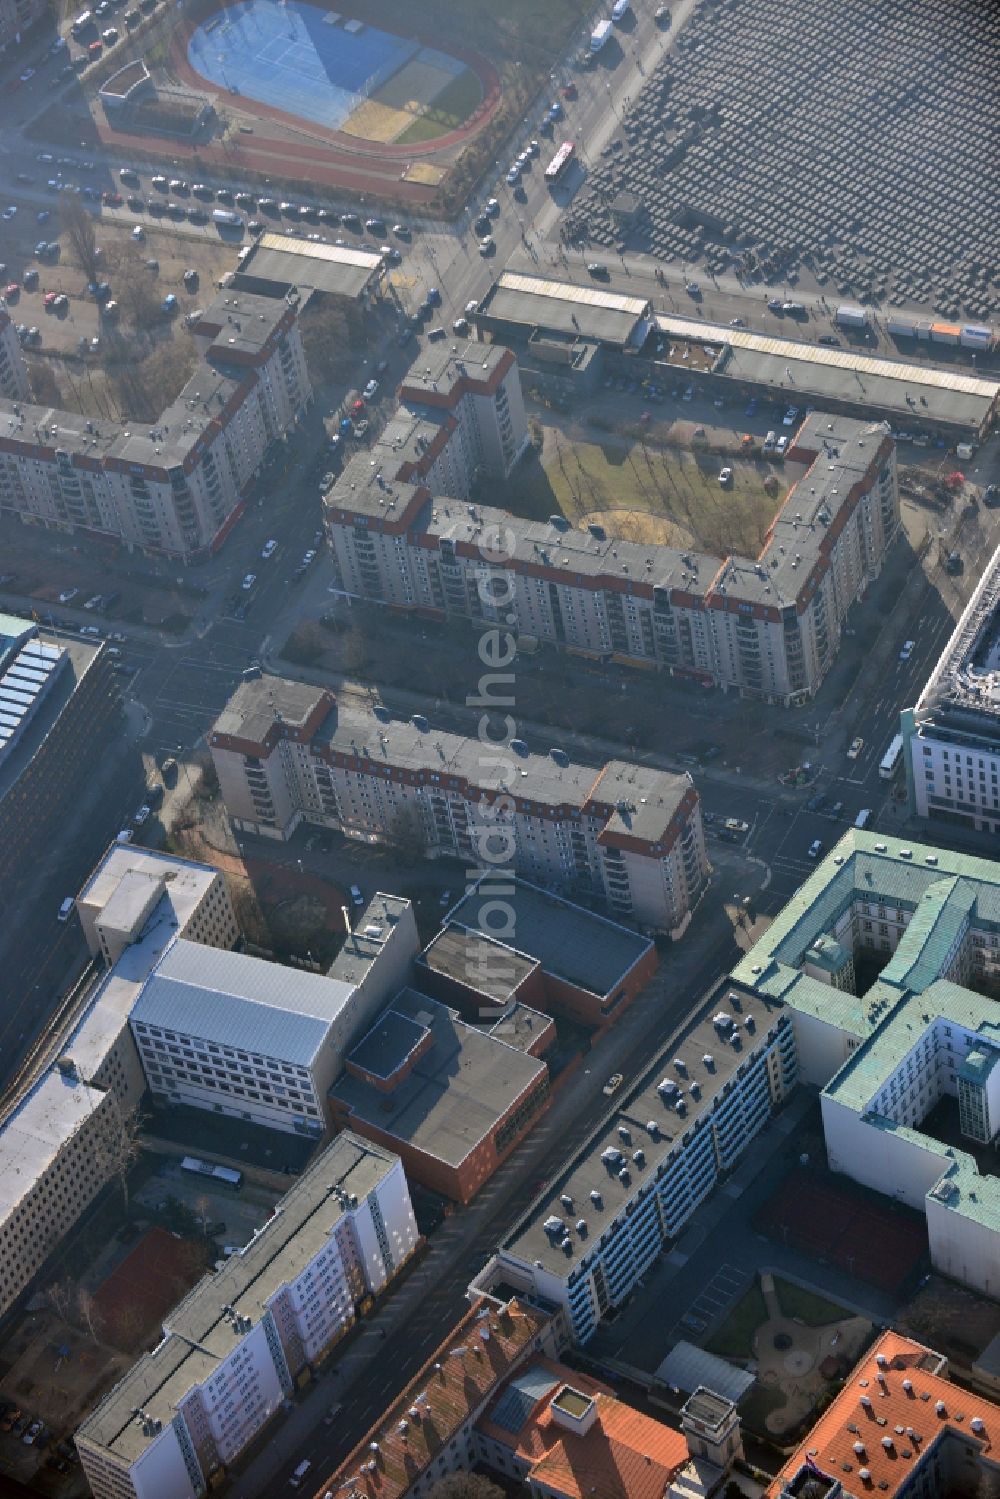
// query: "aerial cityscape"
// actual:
[[499, 749]]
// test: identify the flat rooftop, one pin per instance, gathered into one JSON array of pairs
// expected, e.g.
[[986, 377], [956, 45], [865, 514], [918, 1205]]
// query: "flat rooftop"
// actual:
[[75, 658], [585, 949], [340, 270], [36, 1131], [483, 963], [235, 1000], [564, 307], [961, 699], [199, 1335], [363, 945], [457, 1090], [949, 397], [588, 1172], [258, 707], [440, 367], [185, 882]]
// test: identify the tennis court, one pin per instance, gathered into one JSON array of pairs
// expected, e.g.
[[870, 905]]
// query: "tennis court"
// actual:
[[318, 64], [835, 1221]]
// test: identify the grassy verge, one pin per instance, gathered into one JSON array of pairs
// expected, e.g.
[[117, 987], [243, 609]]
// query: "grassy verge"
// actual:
[[734, 1339], [807, 1306], [452, 107]]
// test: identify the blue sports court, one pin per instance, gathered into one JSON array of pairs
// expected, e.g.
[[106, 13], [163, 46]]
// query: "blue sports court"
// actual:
[[303, 60]]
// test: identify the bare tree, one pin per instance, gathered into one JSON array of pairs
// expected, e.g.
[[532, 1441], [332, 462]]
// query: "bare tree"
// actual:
[[202, 1205], [407, 835], [137, 294], [465, 1486], [116, 1146], [61, 1297], [330, 338], [86, 1305], [44, 385], [79, 227]]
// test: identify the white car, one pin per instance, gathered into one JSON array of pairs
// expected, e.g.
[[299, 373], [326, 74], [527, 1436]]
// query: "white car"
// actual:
[[309, 557], [68, 595], [270, 547], [371, 390], [356, 895], [770, 442], [143, 815], [815, 848], [857, 745], [907, 650], [725, 477], [27, 75], [781, 446], [445, 898], [9, 213], [789, 418], [249, 581], [138, 232]]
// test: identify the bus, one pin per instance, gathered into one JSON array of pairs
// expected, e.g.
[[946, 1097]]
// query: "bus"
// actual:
[[220, 1175], [559, 163], [891, 759]]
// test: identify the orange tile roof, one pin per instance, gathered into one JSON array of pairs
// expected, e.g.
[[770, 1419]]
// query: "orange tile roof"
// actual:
[[910, 1420], [624, 1452], [482, 1350]]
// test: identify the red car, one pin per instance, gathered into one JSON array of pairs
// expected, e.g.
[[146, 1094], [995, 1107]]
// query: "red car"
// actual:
[[11, 290], [113, 200], [569, 91], [95, 49], [358, 406], [50, 297]]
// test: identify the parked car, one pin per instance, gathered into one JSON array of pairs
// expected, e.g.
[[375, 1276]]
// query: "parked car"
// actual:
[[356, 896], [612, 1085], [906, 651], [857, 745], [248, 582], [815, 848], [269, 548]]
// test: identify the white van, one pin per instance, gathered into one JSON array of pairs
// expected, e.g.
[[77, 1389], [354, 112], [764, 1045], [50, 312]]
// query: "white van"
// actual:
[[862, 819], [66, 909], [298, 1478], [620, 10]]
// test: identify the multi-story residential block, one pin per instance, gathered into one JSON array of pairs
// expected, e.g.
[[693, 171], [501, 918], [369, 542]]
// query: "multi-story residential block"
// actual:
[[899, 1426], [626, 1195], [175, 485], [249, 1038], [57, 1150], [626, 834], [429, 1430], [239, 1343], [768, 626], [59, 705], [922, 1039], [14, 382], [952, 736], [564, 1435], [451, 1100]]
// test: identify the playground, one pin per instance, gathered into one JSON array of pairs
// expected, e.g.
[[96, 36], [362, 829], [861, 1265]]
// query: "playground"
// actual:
[[797, 1343]]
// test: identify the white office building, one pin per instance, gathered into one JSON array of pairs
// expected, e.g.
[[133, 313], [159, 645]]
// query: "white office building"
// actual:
[[237, 1346], [625, 1197], [252, 1039], [952, 736], [907, 1067]]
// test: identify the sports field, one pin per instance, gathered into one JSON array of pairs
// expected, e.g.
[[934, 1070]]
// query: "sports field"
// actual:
[[333, 71]]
